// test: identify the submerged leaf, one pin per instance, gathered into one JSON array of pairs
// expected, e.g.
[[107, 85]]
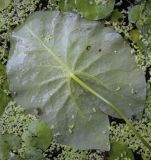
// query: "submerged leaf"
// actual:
[[51, 54]]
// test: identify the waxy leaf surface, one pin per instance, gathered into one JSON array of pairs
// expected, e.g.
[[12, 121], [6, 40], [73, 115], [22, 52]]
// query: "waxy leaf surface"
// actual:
[[49, 52]]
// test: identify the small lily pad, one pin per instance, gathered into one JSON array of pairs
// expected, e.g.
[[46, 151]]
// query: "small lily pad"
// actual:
[[95, 9], [135, 13], [67, 5]]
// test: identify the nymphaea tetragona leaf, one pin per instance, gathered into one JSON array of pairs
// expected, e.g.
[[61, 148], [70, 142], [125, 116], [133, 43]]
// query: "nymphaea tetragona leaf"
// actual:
[[70, 71]]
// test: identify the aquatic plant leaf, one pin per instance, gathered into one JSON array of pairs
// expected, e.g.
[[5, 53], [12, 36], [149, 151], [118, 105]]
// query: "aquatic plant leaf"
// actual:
[[117, 16], [95, 9], [8, 142], [135, 13], [67, 5], [49, 52], [63, 5], [38, 135], [120, 151], [4, 4]]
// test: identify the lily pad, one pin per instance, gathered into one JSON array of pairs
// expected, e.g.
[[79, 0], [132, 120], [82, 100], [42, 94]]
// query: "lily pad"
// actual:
[[117, 16], [135, 13], [95, 9], [53, 55]]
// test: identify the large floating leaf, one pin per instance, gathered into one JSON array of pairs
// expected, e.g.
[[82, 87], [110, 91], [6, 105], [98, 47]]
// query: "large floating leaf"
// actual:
[[50, 53], [95, 9]]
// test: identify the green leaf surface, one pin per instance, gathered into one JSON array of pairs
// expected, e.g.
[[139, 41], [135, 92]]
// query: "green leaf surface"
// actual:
[[67, 5], [135, 13], [120, 152], [38, 135], [95, 9], [4, 4], [51, 54], [135, 37], [117, 16], [8, 142], [5, 148]]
